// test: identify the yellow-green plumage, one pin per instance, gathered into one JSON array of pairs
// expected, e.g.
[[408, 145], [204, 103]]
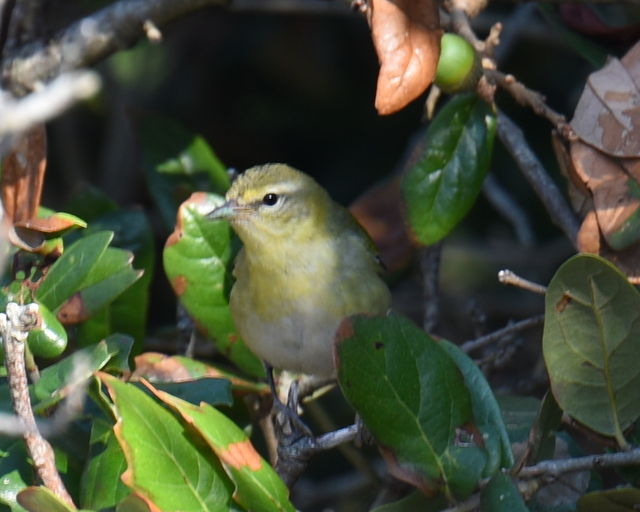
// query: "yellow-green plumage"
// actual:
[[305, 265]]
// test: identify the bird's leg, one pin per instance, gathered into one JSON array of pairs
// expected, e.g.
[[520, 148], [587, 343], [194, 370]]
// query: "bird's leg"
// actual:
[[289, 426]]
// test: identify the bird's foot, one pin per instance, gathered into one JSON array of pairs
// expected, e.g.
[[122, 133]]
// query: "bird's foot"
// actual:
[[289, 426]]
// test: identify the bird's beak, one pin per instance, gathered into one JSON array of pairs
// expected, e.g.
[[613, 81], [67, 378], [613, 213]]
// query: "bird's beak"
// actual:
[[225, 211]]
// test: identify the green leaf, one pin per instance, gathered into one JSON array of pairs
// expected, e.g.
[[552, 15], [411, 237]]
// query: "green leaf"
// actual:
[[590, 344], [197, 259], [163, 464], [486, 411], [501, 495], [39, 499], [128, 311], [258, 487], [56, 380], [542, 438], [101, 486], [50, 339], [413, 399], [442, 186], [210, 391], [612, 500], [15, 472], [178, 163], [65, 276]]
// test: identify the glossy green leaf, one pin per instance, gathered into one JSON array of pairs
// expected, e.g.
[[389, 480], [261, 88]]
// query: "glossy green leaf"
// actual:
[[501, 495], [128, 312], [56, 380], [66, 275], [210, 391], [590, 343], [612, 500], [101, 486], [39, 499], [50, 339], [486, 411], [197, 260], [258, 487], [163, 464], [15, 472], [110, 277], [413, 399], [176, 164], [442, 186]]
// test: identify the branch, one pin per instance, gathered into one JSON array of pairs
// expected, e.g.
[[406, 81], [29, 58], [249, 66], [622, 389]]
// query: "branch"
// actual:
[[14, 326], [509, 209], [18, 116], [515, 143], [483, 341], [511, 278], [557, 467], [532, 99], [91, 39]]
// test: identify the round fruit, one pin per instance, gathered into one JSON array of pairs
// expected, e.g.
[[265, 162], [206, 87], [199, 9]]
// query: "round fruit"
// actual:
[[459, 65]]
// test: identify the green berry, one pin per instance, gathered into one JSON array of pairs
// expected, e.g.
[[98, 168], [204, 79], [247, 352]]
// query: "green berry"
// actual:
[[50, 339], [459, 65]]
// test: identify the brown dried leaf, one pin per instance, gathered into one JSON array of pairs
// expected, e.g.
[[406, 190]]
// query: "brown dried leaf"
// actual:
[[406, 36], [23, 175], [614, 184], [608, 113], [378, 211]]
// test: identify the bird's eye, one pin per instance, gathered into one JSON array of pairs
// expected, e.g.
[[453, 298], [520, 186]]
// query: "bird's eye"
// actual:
[[270, 199]]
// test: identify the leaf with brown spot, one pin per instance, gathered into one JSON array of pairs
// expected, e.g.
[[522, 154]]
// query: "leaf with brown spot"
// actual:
[[258, 487], [406, 35], [608, 114], [157, 367], [165, 465]]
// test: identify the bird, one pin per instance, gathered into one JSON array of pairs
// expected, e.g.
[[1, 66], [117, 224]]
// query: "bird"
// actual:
[[305, 265]]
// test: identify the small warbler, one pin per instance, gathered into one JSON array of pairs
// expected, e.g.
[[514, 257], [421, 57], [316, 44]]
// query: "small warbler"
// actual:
[[306, 264]]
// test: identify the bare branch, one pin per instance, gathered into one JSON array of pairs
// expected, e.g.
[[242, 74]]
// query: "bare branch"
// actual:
[[483, 341], [91, 39], [557, 467], [509, 209], [15, 326], [18, 116], [513, 279], [532, 99], [515, 143]]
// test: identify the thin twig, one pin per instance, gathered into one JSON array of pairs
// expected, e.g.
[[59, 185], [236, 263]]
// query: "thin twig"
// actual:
[[511, 278], [91, 39], [487, 339], [515, 143], [555, 468], [17, 116], [14, 326], [532, 99], [430, 267], [509, 209]]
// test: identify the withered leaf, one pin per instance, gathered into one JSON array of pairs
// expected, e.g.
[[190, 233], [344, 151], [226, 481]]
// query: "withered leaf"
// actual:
[[406, 36], [608, 113], [23, 175], [614, 184]]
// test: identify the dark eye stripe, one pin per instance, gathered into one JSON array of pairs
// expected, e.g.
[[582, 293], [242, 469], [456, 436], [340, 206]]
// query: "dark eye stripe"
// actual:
[[270, 199]]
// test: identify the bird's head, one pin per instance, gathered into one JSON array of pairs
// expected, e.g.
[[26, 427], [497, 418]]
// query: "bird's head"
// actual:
[[273, 201]]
